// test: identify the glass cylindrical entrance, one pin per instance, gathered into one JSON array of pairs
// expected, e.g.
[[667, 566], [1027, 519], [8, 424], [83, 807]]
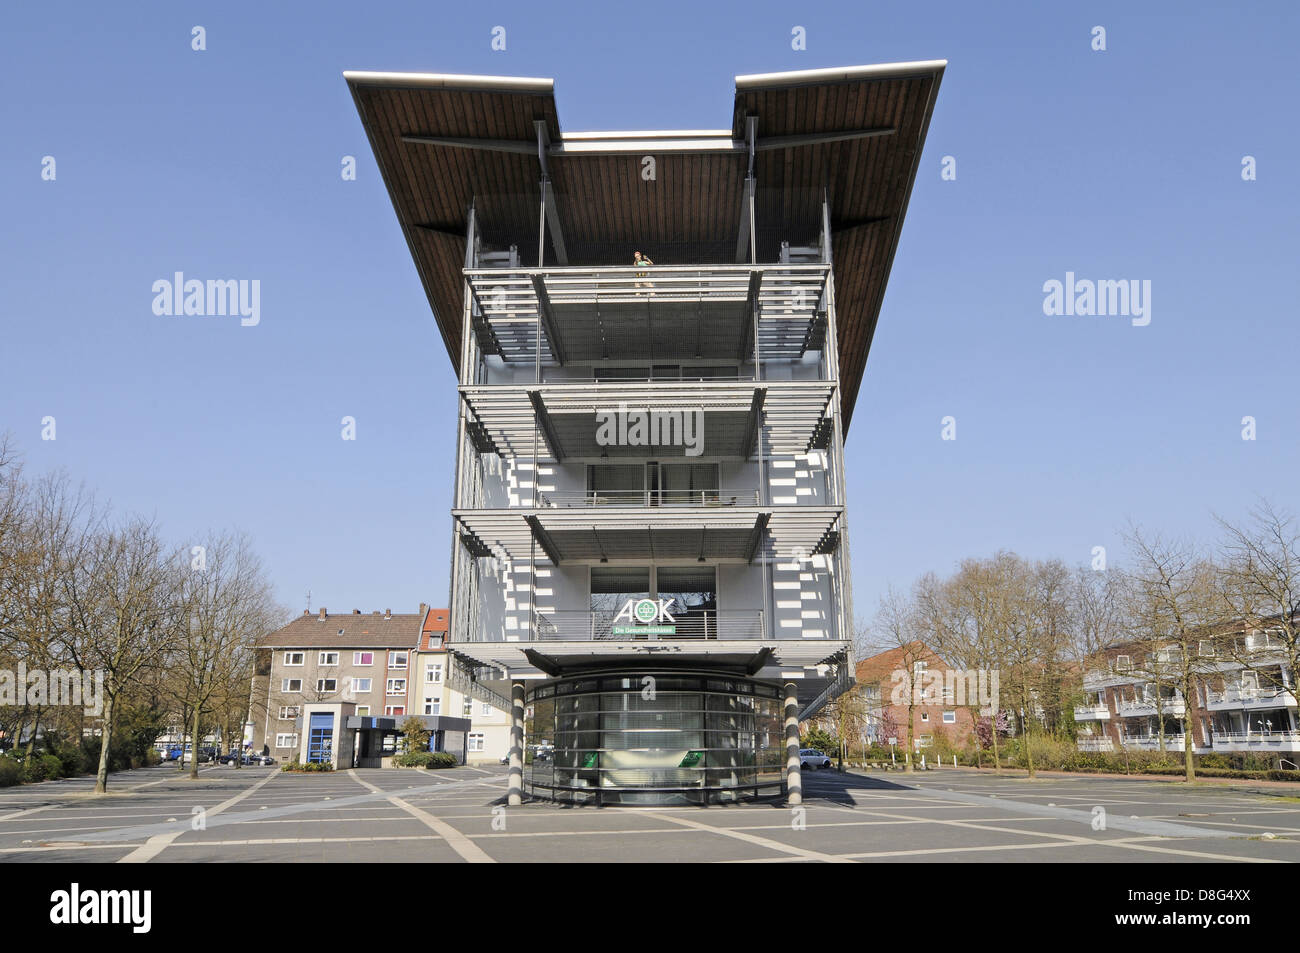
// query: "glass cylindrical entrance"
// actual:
[[653, 737]]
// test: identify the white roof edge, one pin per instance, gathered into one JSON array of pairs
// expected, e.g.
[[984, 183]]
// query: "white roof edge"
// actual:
[[651, 134], [519, 84], [838, 74]]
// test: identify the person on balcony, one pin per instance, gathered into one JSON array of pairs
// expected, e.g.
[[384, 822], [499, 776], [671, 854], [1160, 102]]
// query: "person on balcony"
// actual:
[[638, 260]]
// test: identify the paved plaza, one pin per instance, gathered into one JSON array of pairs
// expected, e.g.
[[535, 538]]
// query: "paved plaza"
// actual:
[[262, 814]]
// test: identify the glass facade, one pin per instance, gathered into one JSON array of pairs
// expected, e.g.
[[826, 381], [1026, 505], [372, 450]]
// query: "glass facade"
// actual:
[[653, 737]]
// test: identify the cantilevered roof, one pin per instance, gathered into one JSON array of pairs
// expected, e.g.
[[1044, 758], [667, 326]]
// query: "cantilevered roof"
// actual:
[[446, 142]]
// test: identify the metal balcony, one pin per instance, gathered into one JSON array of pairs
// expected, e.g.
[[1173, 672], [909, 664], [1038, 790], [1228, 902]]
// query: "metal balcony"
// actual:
[[1091, 713], [576, 625], [1250, 698], [652, 498], [672, 312], [562, 420], [566, 534]]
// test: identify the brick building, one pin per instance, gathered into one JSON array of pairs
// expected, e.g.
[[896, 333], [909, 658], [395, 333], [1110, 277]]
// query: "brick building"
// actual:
[[947, 698]]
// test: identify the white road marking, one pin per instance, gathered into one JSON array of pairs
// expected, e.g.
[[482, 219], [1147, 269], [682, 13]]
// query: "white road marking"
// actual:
[[454, 838], [158, 843]]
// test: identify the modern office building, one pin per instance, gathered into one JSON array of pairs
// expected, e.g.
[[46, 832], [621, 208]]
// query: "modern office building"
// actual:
[[658, 339]]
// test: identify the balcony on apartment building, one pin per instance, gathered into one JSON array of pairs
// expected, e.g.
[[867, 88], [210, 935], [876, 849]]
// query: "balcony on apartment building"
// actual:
[[1093, 709], [1151, 742], [1172, 706], [1256, 741], [1249, 697], [1094, 743]]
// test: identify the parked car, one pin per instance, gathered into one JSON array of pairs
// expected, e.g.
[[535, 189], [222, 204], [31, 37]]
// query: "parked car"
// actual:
[[173, 753], [206, 754], [812, 758]]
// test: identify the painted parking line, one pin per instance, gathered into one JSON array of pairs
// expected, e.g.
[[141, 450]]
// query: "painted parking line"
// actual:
[[454, 838], [765, 842], [158, 843]]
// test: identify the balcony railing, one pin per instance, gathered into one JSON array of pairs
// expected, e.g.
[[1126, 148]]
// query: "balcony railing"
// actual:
[[1096, 744], [722, 497], [1251, 697], [576, 625], [1091, 712], [1174, 707], [1173, 742], [1257, 738]]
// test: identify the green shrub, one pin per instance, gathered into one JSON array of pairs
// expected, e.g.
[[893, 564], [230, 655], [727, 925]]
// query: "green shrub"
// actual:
[[308, 767], [42, 767], [441, 759], [11, 772], [422, 759]]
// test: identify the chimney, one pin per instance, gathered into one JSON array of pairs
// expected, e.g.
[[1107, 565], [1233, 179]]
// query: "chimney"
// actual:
[[424, 608], [356, 612], [388, 613], [306, 612], [322, 613]]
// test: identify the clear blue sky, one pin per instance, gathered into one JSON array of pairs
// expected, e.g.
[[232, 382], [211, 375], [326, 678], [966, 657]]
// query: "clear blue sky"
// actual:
[[225, 163]]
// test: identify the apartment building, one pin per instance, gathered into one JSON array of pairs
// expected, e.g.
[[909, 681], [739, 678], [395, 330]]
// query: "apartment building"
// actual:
[[436, 691], [658, 338], [331, 687], [913, 682], [1243, 698]]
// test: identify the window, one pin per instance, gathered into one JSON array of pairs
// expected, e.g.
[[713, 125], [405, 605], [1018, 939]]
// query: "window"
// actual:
[[468, 708], [396, 686], [476, 741], [295, 658], [950, 718], [289, 740], [291, 685], [327, 658], [612, 587], [485, 709], [433, 674], [925, 716], [363, 658], [397, 659], [363, 710], [288, 712], [432, 705], [327, 684], [918, 668], [362, 684], [395, 710], [1122, 663]]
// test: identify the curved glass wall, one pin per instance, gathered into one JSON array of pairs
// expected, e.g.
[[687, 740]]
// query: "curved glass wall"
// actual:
[[653, 737]]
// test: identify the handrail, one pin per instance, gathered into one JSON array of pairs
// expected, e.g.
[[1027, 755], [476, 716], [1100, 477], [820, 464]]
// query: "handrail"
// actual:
[[653, 498], [579, 625]]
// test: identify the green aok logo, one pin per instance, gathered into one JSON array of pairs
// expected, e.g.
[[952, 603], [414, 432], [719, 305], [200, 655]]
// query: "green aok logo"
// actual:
[[647, 617]]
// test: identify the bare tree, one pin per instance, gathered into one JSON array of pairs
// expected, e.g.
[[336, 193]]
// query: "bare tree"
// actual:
[[1175, 603], [1260, 589], [228, 605], [124, 613], [895, 629]]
